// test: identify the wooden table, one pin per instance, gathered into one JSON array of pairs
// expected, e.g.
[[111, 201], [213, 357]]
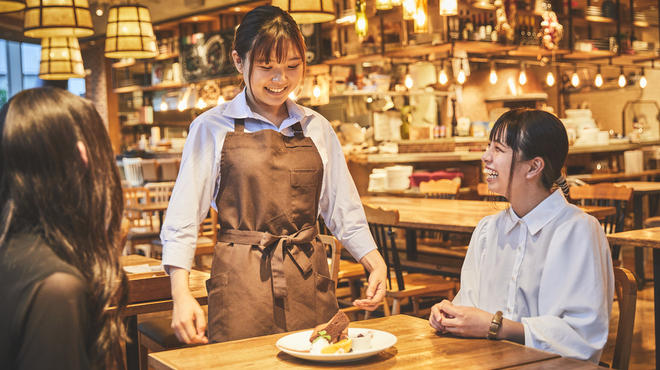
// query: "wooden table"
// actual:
[[159, 207], [646, 238], [197, 281], [640, 207], [448, 215], [613, 177], [418, 346]]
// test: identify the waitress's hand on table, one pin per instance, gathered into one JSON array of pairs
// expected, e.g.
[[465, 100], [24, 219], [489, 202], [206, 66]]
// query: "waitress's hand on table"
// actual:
[[377, 268], [188, 320]]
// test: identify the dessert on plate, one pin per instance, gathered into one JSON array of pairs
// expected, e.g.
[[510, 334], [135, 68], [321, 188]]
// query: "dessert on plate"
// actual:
[[331, 337]]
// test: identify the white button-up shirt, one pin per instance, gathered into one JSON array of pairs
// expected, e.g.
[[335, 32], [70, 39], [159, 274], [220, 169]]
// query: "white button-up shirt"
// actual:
[[198, 181], [550, 270]]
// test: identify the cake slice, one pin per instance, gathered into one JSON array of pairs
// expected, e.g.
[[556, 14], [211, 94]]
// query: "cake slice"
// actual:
[[336, 329]]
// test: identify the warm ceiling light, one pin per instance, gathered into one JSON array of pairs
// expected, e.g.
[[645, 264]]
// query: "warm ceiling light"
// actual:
[[421, 22], [522, 77], [361, 23], [575, 79], [397, 2], [201, 104], [550, 79], [483, 4], [130, 33], [163, 105], [383, 4], [308, 11], [622, 78], [493, 74], [409, 81], [642, 80], [409, 7], [442, 78], [448, 7], [461, 76], [8, 6], [221, 99], [60, 59], [57, 18], [316, 90], [599, 78]]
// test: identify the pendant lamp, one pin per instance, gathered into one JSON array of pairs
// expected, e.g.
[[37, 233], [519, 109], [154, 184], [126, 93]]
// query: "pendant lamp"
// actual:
[[57, 18], [448, 7], [8, 6], [130, 33], [308, 11], [60, 59]]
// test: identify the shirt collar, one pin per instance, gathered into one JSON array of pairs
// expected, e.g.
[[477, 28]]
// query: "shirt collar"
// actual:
[[238, 108], [540, 216]]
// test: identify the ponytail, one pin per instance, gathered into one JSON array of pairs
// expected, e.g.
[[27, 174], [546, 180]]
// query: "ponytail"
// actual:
[[561, 181]]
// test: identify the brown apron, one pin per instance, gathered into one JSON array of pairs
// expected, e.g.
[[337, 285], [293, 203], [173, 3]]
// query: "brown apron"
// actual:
[[270, 271]]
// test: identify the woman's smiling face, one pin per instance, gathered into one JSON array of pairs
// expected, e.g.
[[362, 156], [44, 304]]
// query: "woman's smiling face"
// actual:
[[497, 166], [272, 81]]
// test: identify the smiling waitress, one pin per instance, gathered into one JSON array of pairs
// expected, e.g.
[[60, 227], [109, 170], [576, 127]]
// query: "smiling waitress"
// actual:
[[270, 167]]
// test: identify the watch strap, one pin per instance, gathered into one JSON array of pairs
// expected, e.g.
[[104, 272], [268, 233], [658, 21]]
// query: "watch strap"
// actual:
[[495, 325]]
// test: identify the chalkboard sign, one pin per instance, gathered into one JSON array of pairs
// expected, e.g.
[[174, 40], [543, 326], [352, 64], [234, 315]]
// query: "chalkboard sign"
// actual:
[[205, 56]]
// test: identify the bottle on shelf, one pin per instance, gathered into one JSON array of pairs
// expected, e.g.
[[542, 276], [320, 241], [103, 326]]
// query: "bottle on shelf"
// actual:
[[483, 34], [454, 121]]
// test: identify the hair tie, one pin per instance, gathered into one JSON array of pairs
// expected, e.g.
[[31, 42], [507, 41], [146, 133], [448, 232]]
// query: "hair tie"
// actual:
[[561, 181]]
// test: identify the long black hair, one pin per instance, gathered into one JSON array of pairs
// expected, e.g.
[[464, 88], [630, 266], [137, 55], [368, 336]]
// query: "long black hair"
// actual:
[[76, 207], [264, 29], [532, 133]]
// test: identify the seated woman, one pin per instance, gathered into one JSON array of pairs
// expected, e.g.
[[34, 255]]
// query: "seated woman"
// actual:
[[61, 206], [540, 272]]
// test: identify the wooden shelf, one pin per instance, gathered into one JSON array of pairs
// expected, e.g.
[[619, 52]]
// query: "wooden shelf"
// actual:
[[356, 59], [535, 51], [590, 55], [418, 50]]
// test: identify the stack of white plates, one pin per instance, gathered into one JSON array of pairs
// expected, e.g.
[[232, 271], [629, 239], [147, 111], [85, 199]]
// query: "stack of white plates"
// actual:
[[398, 177]]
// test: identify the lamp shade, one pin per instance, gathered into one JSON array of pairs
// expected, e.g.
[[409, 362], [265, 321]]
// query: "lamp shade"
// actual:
[[308, 11], [130, 33], [53, 18], [8, 6], [60, 59]]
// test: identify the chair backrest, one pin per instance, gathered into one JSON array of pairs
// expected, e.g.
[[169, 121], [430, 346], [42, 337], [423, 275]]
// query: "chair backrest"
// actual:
[[160, 192], [133, 170], [485, 194], [335, 255], [168, 168], [442, 189], [149, 170], [626, 291], [133, 196], [381, 222], [606, 195]]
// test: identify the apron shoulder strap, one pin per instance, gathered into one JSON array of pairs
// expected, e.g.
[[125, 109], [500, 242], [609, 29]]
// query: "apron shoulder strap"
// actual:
[[298, 130], [239, 125]]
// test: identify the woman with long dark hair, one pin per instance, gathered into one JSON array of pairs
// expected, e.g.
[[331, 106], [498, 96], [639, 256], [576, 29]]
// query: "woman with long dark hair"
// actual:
[[61, 207], [269, 167], [540, 272]]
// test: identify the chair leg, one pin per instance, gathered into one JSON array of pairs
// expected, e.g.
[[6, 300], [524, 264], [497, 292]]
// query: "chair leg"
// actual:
[[396, 306], [415, 302]]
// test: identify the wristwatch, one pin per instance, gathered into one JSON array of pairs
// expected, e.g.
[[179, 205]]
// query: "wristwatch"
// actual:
[[495, 325]]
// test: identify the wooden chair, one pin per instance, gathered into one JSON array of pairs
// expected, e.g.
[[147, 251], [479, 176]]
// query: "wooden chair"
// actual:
[[626, 292], [149, 170], [168, 169], [440, 189], [133, 171], [141, 227], [405, 285], [485, 194], [207, 237], [606, 195]]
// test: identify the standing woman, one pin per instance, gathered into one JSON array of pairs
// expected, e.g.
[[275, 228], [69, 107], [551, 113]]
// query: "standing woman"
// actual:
[[269, 167], [62, 204], [540, 272]]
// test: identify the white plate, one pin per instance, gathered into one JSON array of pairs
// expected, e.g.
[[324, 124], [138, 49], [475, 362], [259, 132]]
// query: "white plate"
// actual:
[[380, 341]]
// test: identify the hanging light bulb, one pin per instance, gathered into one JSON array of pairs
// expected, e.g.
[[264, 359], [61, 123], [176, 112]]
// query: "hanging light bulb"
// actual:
[[461, 76], [409, 8], [522, 78], [316, 91], [409, 81], [622, 78], [599, 79], [397, 2], [163, 105], [361, 24], [550, 79], [183, 102], [493, 74], [182, 106], [201, 104], [642, 80], [221, 99], [575, 79], [421, 24], [442, 78], [383, 4], [99, 9], [448, 7]]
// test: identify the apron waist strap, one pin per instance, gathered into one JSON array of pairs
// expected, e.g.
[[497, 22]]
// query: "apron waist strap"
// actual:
[[285, 243]]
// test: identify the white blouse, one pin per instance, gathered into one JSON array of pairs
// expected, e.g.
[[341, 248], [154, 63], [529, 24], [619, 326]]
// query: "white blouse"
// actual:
[[198, 181], [550, 270]]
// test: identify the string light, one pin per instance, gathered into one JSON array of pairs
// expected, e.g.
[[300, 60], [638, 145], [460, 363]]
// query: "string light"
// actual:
[[221, 100], [163, 105], [599, 78], [622, 78], [575, 79], [409, 81], [442, 78], [316, 91], [550, 79], [461, 76], [201, 104], [493, 74], [522, 78], [642, 80]]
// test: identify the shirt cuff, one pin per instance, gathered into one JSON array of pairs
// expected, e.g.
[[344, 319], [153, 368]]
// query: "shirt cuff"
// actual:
[[360, 244], [177, 255]]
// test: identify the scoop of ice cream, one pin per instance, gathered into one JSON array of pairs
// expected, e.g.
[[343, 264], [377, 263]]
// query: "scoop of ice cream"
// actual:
[[318, 345]]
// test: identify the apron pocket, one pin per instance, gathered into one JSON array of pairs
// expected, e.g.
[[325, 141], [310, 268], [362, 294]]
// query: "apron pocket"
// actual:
[[326, 301], [303, 195]]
